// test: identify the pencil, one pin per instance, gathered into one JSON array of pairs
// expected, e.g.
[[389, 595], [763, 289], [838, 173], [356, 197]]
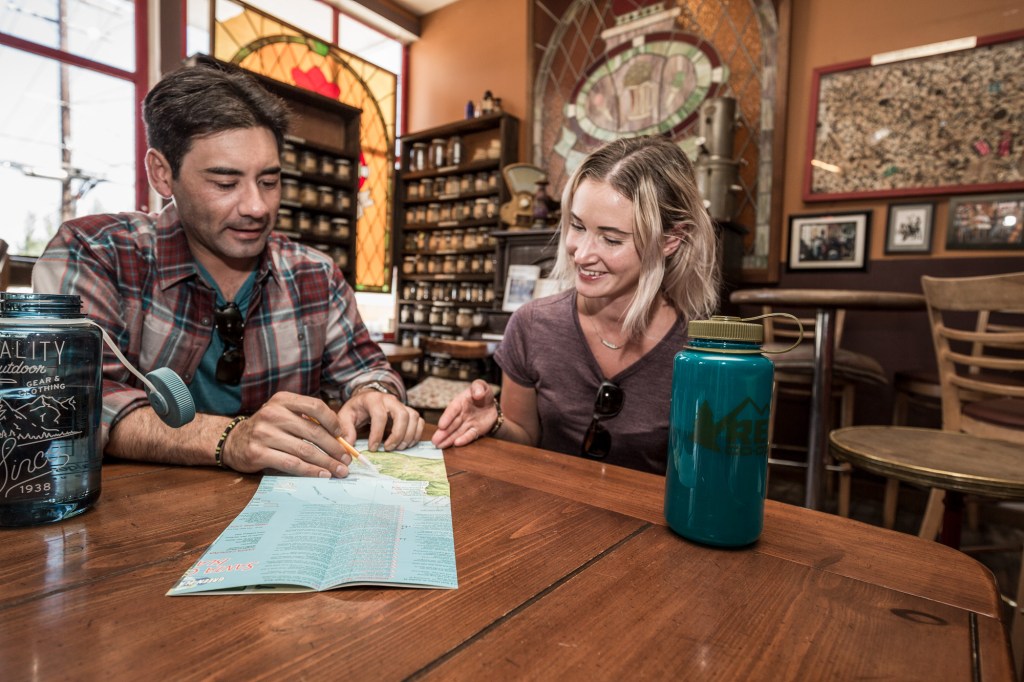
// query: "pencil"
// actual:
[[349, 448]]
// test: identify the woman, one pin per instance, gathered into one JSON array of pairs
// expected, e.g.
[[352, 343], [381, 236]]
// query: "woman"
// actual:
[[588, 371]]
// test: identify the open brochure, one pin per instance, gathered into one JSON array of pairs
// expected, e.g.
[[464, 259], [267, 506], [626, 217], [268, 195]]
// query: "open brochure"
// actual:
[[387, 523]]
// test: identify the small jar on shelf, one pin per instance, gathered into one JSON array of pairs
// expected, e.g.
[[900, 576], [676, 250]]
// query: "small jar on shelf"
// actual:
[[308, 162], [433, 213], [285, 219], [308, 195], [322, 225], [427, 188], [413, 189], [289, 157], [480, 208], [418, 156], [327, 166], [304, 221], [340, 227], [437, 153], [290, 190], [343, 170], [342, 200], [325, 196], [453, 153]]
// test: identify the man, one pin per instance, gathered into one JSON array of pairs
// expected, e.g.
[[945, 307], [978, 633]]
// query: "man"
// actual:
[[256, 325]]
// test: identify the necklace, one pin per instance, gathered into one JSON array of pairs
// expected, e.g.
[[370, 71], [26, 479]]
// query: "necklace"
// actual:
[[604, 342]]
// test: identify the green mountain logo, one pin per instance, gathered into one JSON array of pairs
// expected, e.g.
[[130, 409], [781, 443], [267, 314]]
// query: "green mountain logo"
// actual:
[[743, 431]]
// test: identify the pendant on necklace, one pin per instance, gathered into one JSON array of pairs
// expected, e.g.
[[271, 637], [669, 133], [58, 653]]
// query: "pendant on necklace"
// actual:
[[609, 344]]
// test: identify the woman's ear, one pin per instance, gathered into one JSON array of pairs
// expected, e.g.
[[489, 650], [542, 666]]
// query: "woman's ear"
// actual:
[[670, 245], [158, 169]]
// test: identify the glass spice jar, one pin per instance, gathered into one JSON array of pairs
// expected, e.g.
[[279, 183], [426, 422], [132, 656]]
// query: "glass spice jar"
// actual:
[[290, 190], [307, 162], [289, 157], [418, 156], [437, 153], [340, 228], [327, 165], [343, 170], [308, 195], [285, 219]]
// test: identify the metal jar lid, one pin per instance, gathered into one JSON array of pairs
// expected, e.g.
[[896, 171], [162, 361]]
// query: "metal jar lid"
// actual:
[[726, 328]]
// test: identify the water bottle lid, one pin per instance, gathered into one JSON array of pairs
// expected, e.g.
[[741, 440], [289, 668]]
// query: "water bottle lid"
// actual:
[[726, 328]]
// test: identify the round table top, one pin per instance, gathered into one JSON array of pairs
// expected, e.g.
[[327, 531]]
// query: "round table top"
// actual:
[[935, 458], [831, 298]]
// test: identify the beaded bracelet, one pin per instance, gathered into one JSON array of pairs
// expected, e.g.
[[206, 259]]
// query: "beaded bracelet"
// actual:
[[500, 421], [218, 453]]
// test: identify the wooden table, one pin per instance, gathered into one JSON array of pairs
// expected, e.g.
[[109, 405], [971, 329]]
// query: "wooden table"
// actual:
[[825, 302], [566, 571], [397, 354]]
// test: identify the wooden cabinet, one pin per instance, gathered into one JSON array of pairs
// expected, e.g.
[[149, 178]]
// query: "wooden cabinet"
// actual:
[[448, 197]]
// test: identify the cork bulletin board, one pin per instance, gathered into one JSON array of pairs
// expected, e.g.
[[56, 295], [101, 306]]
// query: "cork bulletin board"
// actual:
[[947, 123]]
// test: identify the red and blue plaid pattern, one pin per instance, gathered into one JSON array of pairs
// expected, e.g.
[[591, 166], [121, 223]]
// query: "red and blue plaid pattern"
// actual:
[[137, 279]]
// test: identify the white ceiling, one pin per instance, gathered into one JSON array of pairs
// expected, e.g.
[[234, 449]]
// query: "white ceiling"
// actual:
[[421, 7]]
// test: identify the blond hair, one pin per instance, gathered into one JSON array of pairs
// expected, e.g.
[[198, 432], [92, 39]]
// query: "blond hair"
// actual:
[[654, 174]]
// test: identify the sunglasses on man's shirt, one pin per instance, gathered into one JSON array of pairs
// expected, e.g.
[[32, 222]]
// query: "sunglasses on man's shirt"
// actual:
[[230, 328]]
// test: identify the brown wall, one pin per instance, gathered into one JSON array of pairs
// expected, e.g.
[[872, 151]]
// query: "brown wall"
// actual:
[[475, 45], [828, 32], [466, 48]]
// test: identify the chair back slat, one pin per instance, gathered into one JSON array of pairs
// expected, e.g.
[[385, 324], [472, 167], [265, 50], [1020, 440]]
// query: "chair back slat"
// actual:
[[977, 326]]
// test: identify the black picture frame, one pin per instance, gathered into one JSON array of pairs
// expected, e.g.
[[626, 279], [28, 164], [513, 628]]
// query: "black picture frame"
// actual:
[[986, 221], [910, 227], [829, 241]]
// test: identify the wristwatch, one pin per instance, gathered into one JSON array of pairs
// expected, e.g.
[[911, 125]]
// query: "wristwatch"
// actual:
[[379, 386]]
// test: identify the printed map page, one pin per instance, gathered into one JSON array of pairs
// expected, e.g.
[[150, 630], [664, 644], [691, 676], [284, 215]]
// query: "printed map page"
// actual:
[[389, 527]]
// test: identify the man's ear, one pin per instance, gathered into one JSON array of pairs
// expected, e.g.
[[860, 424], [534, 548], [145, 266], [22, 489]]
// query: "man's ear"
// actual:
[[159, 171]]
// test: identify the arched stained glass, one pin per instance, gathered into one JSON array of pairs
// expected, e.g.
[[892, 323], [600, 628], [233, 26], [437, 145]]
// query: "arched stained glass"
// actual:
[[245, 36]]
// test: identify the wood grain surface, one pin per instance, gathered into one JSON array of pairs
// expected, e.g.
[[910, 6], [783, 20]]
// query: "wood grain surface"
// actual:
[[565, 567]]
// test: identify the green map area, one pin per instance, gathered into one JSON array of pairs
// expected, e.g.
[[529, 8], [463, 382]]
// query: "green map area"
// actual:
[[409, 468]]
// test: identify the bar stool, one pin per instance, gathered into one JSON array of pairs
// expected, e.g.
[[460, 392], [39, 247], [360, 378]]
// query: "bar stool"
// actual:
[[794, 372], [979, 449]]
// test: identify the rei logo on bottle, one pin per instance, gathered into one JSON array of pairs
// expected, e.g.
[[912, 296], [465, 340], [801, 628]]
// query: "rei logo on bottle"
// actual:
[[742, 431]]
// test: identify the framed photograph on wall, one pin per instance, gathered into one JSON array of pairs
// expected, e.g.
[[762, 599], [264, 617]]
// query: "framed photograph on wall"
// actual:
[[828, 241], [986, 221], [909, 229]]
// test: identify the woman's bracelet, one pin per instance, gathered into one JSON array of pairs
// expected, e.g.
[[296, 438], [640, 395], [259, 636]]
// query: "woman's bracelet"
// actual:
[[218, 453], [500, 421]]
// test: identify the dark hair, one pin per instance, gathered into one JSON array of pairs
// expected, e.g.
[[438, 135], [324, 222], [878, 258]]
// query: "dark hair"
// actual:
[[200, 100]]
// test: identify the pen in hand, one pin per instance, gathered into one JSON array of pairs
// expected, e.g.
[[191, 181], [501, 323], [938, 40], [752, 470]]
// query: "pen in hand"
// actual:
[[356, 455]]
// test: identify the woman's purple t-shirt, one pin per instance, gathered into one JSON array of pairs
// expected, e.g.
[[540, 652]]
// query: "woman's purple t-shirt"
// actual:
[[545, 349]]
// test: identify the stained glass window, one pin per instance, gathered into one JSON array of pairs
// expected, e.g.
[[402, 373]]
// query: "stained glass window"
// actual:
[[613, 68]]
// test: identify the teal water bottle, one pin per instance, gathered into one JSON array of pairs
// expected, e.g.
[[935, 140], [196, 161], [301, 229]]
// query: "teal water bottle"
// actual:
[[718, 434]]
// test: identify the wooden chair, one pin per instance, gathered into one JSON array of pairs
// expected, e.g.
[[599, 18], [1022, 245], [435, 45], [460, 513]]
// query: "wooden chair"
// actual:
[[980, 361], [977, 326], [923, 389], [794, 371]]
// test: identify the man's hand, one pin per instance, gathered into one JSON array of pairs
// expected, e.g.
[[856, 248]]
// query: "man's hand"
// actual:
[[291, 433], [377, 408]]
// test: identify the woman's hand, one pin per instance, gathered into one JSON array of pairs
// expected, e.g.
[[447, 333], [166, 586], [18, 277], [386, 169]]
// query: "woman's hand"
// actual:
[[471, 414]]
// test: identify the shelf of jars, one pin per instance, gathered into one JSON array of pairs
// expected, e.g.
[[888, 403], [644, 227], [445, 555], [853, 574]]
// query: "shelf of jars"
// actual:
[[449, 194]]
